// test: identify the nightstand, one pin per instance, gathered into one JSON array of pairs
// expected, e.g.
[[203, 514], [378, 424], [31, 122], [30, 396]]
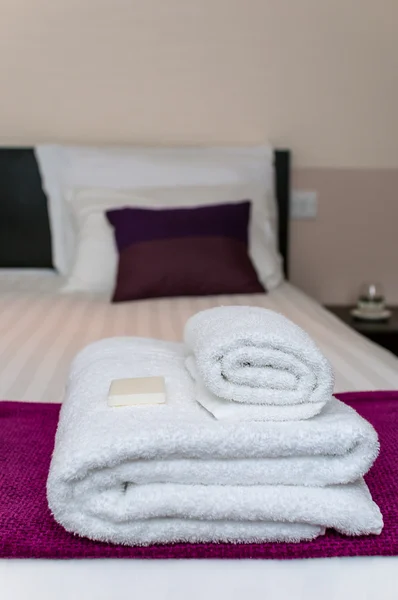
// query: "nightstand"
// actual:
[[384, 333]]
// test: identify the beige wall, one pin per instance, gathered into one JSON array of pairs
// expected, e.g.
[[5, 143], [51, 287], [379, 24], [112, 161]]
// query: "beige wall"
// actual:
[[354, 238], [319, 76]]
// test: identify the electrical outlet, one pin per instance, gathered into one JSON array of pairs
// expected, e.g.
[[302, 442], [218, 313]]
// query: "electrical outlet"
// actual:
[[304, 204]]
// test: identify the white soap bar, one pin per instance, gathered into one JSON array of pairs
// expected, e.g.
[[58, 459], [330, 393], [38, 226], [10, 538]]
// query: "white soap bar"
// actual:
[[137, 391]]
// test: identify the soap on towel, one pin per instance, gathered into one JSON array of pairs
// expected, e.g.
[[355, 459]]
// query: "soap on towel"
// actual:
[[136, 391], [253, 355], [173, 473]]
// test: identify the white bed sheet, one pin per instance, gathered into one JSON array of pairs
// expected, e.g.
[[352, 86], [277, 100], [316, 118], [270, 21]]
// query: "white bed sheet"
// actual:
[[373, 578], [41, 330]]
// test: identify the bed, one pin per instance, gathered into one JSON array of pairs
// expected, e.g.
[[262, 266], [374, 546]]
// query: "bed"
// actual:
[[49, 328], [41, 330]]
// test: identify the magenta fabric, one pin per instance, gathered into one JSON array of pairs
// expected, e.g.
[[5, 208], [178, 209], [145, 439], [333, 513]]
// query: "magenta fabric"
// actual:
[[27, 529], [197, 251]]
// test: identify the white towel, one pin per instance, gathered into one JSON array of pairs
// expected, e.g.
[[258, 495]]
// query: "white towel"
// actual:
[[252, 355], [138, 475], [238, 411]]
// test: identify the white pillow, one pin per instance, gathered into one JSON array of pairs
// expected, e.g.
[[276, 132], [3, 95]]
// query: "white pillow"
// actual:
[[69, 167], [95, 264], [63, 235]]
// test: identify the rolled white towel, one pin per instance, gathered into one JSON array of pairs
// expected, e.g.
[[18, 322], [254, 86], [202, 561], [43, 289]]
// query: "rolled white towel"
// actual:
[[225, 410], [252, 355], [144, 474]]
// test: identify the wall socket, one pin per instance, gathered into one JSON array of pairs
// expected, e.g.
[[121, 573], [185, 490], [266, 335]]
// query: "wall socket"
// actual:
[[304, 204]]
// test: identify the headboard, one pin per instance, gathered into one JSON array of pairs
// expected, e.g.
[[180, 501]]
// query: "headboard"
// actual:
[[282, 192], [24, 227], [25, 239]]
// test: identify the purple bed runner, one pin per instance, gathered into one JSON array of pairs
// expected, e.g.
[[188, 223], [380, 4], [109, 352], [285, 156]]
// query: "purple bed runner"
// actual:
[[27, 529]]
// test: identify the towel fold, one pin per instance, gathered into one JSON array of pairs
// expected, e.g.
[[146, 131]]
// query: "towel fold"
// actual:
[[255, 356], [163, 513], [144, 474]]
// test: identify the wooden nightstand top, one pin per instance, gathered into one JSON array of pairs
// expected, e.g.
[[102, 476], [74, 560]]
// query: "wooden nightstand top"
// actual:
[[367, 327]]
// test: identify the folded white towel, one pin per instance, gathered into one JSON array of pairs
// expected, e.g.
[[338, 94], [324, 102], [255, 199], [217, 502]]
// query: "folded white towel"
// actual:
[[143, 474], [256, 356]]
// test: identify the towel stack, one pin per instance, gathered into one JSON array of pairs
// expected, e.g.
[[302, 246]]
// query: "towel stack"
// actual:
[[283, 460]]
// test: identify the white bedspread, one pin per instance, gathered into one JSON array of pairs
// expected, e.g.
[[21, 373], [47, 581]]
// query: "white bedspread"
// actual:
[[41, 331]]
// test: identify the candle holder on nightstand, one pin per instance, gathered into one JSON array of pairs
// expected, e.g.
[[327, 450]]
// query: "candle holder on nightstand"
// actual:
[[371, 304]]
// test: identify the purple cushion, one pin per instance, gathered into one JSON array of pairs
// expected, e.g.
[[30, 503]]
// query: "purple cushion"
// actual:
[[183, 252]]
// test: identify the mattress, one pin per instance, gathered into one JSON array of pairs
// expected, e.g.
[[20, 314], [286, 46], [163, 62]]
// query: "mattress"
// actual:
[[40, 332]]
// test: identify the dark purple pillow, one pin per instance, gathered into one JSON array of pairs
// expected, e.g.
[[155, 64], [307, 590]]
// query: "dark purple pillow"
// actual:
[[196, 251]]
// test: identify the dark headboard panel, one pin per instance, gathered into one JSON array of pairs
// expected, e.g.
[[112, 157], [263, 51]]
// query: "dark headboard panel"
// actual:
[[24, 226], [282, 190]]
